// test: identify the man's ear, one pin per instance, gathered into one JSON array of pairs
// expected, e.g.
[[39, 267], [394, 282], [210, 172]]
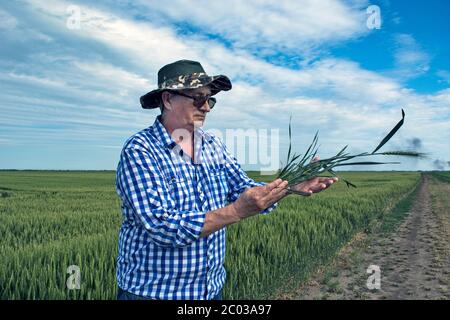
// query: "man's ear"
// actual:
[[165, 99]]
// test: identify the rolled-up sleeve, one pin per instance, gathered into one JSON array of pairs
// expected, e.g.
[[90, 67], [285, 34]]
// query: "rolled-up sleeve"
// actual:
[[238, 180], [144, 188]]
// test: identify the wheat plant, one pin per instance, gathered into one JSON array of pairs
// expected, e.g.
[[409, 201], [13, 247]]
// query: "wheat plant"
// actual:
[[300, 168]]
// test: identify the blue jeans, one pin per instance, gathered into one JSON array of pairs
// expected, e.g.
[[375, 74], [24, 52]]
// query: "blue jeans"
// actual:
[[124, 295], [218, 297]]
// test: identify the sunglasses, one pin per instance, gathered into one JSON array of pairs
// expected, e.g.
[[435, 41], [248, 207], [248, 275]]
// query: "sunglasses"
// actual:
[[199, 101]]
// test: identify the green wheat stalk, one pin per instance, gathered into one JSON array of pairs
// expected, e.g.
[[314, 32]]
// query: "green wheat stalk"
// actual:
[[299, 168]]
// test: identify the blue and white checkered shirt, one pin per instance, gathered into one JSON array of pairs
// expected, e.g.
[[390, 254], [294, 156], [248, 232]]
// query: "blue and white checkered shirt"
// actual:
[[165, 197]]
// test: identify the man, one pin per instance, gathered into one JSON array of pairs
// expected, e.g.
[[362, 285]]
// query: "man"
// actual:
[[180, 188]]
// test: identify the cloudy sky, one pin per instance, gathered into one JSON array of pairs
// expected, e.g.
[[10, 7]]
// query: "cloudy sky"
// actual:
[[69, 91]]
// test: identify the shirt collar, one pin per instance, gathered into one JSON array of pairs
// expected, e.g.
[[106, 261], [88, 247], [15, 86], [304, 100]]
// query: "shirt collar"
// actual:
[[161, 133]]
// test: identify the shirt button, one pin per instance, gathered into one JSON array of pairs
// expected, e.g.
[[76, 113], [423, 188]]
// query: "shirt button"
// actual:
[[165, 215]]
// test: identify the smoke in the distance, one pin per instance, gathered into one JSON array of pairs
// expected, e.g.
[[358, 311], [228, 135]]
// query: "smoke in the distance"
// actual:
[[414, 143], [441, 164]]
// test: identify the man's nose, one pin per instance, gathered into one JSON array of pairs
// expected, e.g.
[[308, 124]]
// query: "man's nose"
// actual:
[[205, 107]]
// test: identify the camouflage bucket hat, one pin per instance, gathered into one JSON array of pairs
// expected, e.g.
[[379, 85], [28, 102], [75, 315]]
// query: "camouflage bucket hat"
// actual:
[[180, 75]]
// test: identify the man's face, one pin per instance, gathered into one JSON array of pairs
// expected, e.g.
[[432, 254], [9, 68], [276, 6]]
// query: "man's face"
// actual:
[[184, 110]]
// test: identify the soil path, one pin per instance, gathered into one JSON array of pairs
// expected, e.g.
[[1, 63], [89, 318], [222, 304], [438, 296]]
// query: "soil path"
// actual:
[[414, 260]]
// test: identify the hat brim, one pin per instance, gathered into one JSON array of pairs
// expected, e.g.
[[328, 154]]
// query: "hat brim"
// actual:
[[151, 100]]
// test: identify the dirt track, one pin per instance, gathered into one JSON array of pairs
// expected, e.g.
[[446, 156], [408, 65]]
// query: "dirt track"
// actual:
[[414, 259]]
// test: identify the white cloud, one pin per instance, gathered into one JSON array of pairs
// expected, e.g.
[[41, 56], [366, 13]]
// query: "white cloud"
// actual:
[[346, 102], [112, 77], [152, 47], [10, 25], [293, 26], [411, 60], [7, 21], [444, 75]]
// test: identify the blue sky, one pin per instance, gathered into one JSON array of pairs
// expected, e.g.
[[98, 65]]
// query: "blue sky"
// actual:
[[69, 98]]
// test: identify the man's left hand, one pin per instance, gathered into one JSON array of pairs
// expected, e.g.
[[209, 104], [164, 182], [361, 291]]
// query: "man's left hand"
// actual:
[[314, 185]]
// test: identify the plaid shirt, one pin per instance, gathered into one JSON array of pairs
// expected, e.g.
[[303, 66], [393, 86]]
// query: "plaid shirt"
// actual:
[[165, 197]]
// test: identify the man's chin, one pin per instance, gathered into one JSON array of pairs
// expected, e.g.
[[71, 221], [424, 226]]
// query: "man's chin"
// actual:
[[198, 121], [199, 118]]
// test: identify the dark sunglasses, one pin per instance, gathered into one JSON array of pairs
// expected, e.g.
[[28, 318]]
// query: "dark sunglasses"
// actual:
[[199, 101]]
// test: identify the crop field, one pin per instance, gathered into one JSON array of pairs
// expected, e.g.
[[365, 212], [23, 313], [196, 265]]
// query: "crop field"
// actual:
[[52, 220]]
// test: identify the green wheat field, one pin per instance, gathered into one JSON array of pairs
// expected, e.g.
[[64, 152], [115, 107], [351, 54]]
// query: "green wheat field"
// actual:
[[50, 220]]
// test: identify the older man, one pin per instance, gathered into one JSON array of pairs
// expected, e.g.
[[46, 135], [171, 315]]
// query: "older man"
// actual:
[[180, 188]]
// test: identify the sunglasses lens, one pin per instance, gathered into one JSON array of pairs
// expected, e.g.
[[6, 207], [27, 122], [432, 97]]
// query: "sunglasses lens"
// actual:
[[211, 102], [199, 102]]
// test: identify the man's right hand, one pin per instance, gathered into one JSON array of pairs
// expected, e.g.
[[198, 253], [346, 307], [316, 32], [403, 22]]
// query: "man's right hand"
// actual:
[[254, 200]]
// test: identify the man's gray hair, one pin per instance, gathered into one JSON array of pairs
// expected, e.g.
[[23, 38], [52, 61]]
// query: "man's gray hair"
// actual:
[[161, 104]]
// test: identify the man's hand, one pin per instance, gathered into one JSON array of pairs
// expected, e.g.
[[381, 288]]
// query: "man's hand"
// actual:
[[254, 200], [314, 185]]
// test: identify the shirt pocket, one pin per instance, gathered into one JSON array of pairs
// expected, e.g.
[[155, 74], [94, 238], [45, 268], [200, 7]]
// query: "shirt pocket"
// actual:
[[217, 186], [181, 191]]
